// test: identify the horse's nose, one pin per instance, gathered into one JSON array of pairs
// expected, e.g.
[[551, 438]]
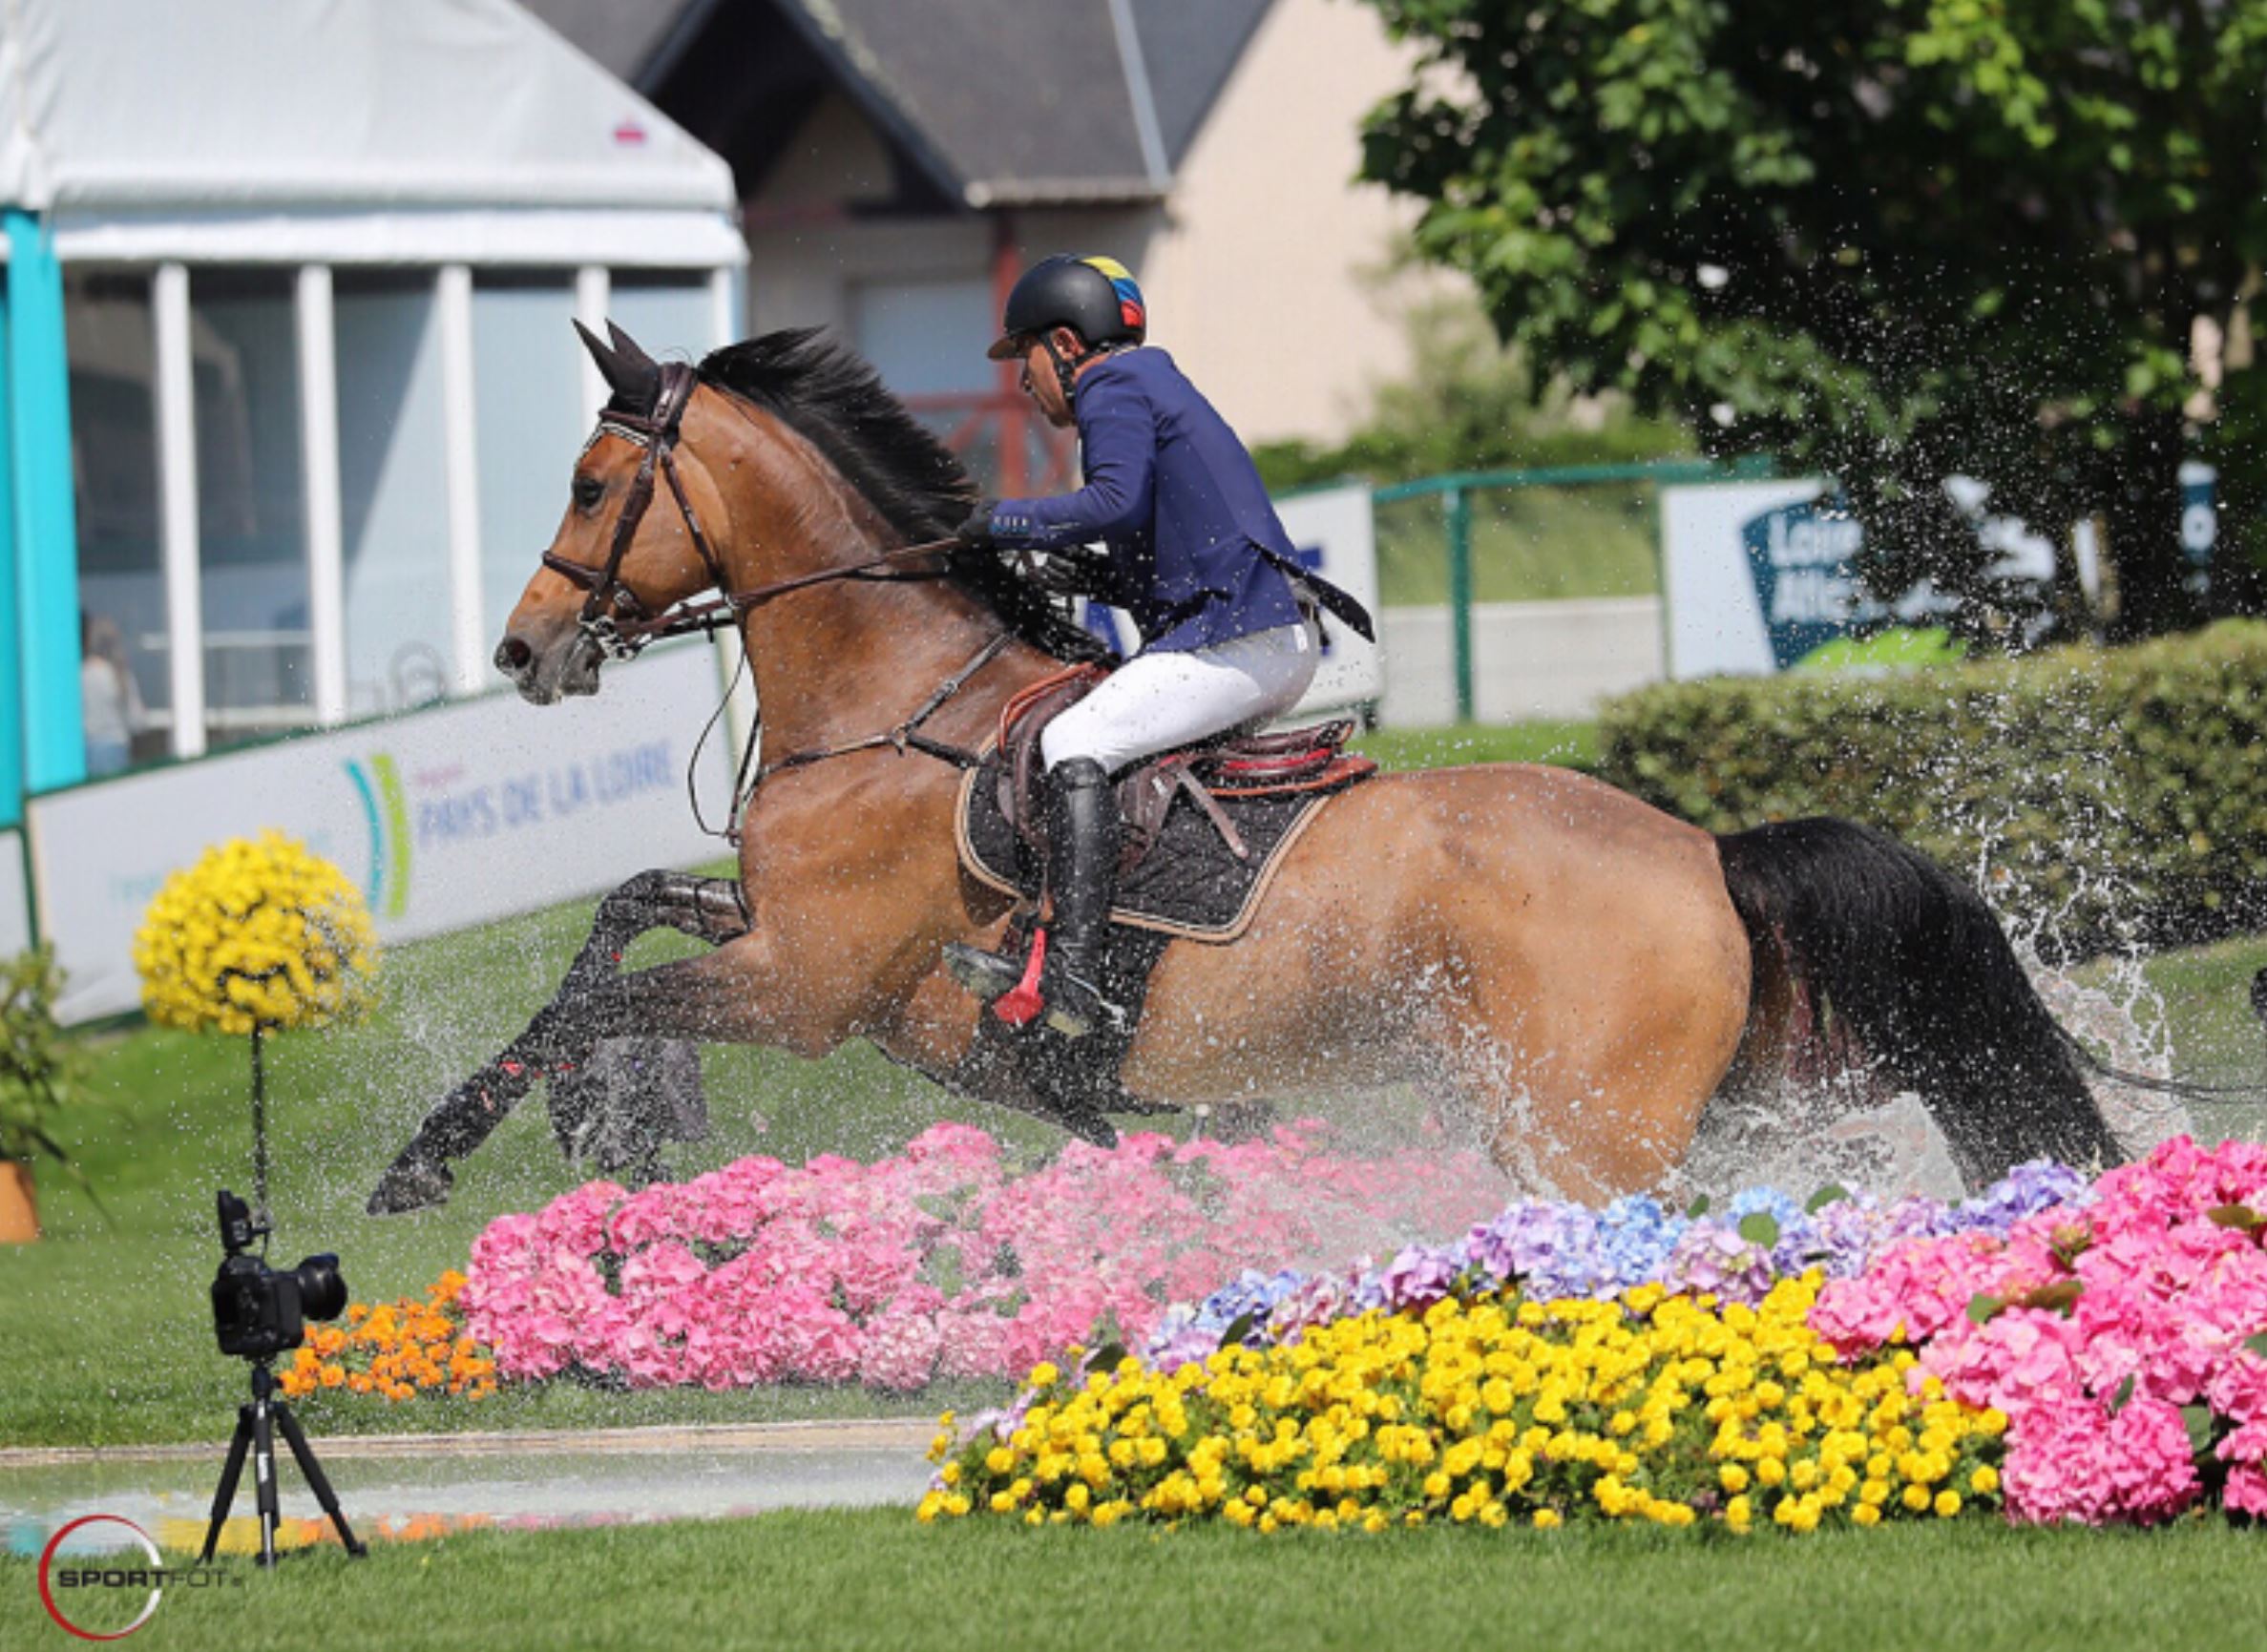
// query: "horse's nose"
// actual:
[[513, 657]]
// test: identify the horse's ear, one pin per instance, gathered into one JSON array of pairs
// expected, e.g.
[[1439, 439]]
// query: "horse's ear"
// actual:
[[633, 376], [629, 351]]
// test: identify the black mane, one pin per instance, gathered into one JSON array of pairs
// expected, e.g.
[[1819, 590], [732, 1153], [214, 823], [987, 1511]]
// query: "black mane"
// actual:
[[833, 397]]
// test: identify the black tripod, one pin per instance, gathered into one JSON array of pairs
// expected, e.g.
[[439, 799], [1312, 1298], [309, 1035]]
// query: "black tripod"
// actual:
[[255, 1432]]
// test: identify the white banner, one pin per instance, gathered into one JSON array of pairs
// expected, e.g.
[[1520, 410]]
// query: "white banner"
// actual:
[[15, 902], [1760, 576], [1336, 533], [445, 818], [1716, 621], [1333, 531]]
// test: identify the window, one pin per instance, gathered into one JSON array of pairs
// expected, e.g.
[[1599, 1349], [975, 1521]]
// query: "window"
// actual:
[[527, 392], [666, 312], [114, 451], [928, 338], [393, 507], [251, 507]]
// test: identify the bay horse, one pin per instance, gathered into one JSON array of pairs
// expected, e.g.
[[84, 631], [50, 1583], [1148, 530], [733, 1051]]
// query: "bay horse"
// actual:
[[1577, 970]]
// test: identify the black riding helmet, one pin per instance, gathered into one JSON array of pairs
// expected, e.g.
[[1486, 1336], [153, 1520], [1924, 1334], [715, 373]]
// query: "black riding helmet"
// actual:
[[1096, 298]]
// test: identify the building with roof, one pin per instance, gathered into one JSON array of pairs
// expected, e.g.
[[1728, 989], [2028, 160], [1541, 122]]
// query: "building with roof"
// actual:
[[898, 164]]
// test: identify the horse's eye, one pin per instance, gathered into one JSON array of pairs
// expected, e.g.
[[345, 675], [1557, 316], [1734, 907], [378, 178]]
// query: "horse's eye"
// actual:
[[588, 490]]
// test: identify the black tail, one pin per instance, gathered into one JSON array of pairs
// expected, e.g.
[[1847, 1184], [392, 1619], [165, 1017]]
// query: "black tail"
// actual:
[[1913, 965]]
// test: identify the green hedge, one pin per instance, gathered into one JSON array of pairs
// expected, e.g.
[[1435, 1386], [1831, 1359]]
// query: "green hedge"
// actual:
[[2104, 795]]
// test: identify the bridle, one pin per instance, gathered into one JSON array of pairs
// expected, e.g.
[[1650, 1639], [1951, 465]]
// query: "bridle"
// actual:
[[618, 621], [620, 624]]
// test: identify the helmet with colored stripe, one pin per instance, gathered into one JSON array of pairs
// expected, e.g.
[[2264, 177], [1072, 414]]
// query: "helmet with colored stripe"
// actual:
[[1095, 297]]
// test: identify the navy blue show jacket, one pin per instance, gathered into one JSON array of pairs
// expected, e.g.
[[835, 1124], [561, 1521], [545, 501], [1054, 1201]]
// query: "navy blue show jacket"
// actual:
[[1197, 554]]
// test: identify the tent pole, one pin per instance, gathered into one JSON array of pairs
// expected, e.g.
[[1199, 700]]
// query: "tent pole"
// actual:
[[319, 463], [177, 533], [460, 457], [594, 293], [724, 325]]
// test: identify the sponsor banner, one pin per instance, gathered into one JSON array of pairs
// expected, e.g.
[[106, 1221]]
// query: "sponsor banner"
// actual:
[[1333, 532], [16, 901], [1759, 575], [1719, 616], [2199, 526], [446, 818]]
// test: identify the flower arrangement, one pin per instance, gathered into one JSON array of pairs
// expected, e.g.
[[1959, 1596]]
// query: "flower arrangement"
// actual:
[[942, 1262], [1648, 1408], [2126, 1341], [398, 1349], [259, 934], [2054, 1350], [1550, 1249]]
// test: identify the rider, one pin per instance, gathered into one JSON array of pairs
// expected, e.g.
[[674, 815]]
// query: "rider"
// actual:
[[1191, 548]]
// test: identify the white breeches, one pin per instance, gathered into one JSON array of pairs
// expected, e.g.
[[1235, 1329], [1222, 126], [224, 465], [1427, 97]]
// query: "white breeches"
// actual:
[[1156, 702]]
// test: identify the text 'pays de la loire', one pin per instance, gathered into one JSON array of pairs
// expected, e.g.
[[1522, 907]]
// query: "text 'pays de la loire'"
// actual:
[[520, 801]]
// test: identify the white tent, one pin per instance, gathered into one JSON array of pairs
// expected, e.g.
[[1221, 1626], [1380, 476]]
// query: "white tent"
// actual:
[[342, 131], [289, 378]]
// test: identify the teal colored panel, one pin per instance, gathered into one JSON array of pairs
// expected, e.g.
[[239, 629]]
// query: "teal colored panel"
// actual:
[[12, 653], [46, 525]]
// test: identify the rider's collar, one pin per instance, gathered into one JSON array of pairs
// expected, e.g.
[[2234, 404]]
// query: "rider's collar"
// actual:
[[1101, 360]]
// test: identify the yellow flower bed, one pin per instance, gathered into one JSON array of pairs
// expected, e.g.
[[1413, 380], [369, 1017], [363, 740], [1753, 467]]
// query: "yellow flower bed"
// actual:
[[258, 933], [1659, 1408], [400, 1350]]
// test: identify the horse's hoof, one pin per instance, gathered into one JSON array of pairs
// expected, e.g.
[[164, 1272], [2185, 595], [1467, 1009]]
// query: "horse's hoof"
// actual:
[[412, 1182], [986, 976], [1089, 1127]]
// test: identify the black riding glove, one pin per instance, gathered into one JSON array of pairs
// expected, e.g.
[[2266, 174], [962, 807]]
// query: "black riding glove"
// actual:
[[1072, 572], [975, 534]]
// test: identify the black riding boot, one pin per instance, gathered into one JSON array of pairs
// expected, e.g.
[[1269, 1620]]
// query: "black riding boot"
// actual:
[[1083, 834], [1083, 831]]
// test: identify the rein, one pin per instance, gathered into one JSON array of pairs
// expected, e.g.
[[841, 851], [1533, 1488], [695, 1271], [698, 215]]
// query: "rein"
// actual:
[[616, 617], [621, 624]]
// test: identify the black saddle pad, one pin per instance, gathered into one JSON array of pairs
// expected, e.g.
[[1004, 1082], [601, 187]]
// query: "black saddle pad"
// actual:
[[1190, 884]]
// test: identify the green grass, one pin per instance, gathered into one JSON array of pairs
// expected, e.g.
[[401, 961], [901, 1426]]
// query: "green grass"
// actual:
[[1573, 744], [1528, 545], [875, 1580]]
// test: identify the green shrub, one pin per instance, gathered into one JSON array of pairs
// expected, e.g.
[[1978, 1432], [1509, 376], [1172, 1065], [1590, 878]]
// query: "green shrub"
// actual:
[[2105, 795], [42, 1073]]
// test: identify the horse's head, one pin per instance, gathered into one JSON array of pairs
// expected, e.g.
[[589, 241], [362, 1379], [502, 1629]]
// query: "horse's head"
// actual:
[[614, 561]]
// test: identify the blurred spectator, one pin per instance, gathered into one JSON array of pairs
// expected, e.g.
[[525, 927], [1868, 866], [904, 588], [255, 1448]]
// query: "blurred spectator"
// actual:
[[109, 704]]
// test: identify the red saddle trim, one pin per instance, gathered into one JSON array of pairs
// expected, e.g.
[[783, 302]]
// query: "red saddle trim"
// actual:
[[1339, 768]]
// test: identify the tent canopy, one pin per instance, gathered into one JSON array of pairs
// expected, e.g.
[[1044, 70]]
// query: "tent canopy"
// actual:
[[354, 128]]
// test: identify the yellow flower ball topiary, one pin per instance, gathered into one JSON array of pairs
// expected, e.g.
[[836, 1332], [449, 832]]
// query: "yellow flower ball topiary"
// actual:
[[258, 934]]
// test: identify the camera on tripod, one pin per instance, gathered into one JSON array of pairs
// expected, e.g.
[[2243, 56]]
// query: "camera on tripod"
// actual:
[[259, 1312]]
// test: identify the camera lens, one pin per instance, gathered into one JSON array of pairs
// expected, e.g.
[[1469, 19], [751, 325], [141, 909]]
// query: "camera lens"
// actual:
[[322, 1287]]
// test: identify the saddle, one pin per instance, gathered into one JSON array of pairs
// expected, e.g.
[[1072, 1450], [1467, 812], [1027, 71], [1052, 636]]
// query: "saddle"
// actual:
[[1232, 768]]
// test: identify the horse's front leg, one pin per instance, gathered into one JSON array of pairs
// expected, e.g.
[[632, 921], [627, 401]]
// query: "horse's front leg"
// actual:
[[587, 1009]]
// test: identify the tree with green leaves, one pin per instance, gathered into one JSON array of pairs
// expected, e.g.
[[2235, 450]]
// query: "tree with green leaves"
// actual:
[[1884, 241]]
